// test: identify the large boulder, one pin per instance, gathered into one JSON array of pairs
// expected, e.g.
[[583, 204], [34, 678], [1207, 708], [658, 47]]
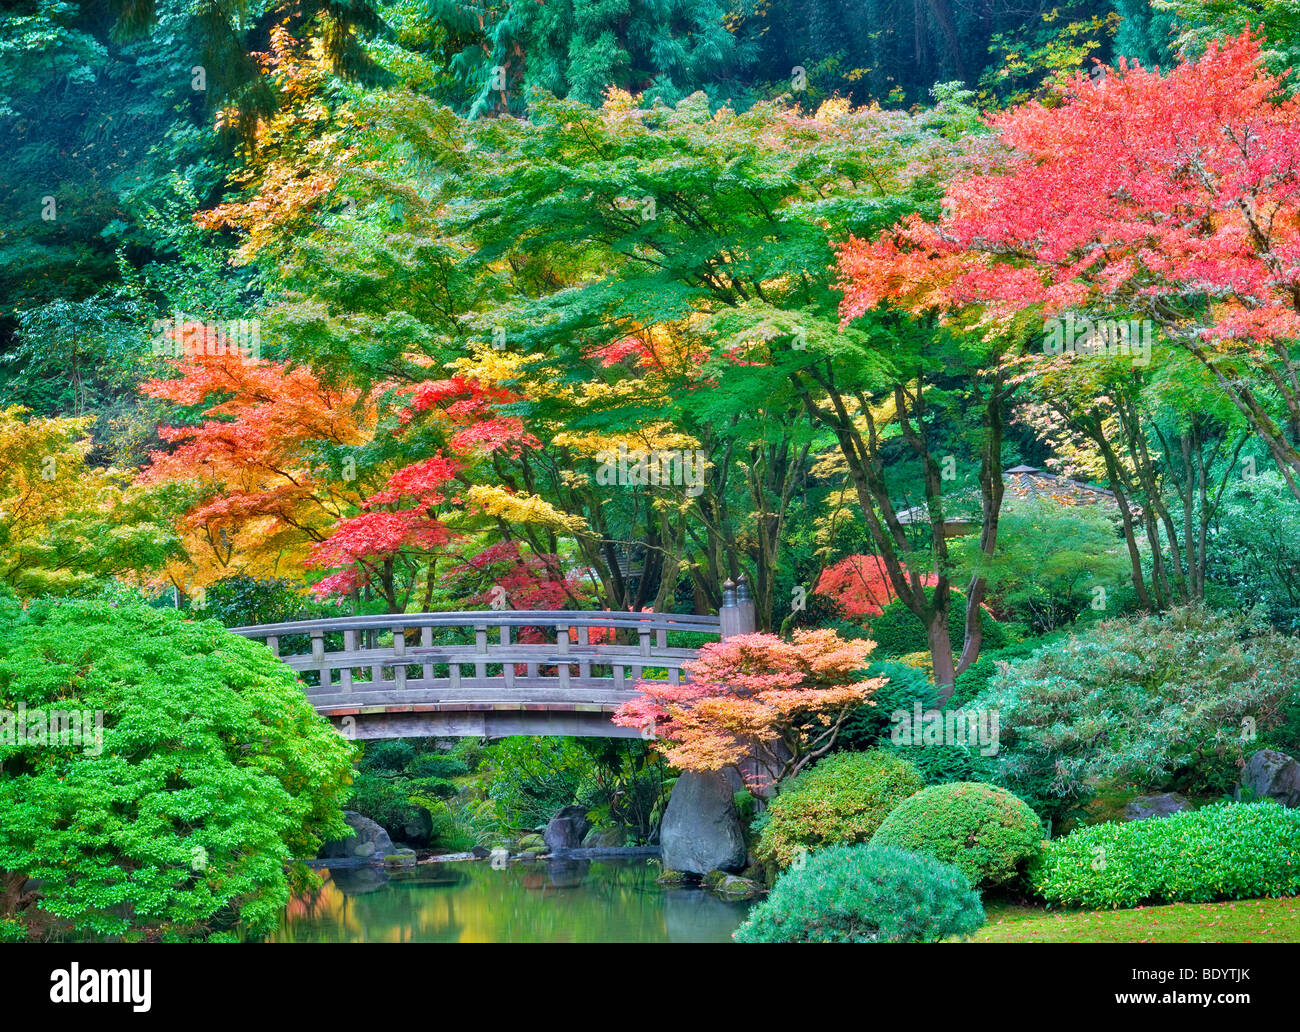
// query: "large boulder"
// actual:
[[566, 829], [701, 829], [1270, 774], [367, 840], [1144, 807]]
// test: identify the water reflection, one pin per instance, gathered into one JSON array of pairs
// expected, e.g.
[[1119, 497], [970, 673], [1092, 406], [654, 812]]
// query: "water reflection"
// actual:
[[546, 901]]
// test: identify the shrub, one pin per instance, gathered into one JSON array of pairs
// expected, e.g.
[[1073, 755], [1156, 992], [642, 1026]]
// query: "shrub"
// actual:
[[985, 831], [940, 764], [388, 801], [1224, 851], [975, 679], [1158, 701], [393, 754], [866, 894], [437, 765], [210, 751], [840, 801], [818, 611], [870, 726], [898, 632]]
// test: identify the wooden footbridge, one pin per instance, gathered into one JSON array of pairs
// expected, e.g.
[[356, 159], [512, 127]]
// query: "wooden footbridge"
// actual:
[[492, 673]]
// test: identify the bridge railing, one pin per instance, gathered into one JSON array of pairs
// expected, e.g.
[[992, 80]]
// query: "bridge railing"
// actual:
[[595, 656]]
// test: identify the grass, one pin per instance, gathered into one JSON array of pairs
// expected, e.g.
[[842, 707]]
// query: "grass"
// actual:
[[1249, 920]]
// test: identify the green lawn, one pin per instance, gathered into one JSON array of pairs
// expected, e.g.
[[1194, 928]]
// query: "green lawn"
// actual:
[[1251, 920]]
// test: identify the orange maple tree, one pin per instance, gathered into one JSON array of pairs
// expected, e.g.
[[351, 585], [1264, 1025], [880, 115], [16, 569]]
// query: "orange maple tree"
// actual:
[[261, 496], [756, 702]]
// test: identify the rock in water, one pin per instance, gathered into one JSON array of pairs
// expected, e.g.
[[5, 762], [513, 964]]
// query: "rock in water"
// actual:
[[1143, 807], [367, 839], [701, 829], [1270, 774], [566, 829]]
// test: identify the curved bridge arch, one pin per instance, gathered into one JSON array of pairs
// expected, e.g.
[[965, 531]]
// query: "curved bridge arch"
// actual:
[[470, 674]]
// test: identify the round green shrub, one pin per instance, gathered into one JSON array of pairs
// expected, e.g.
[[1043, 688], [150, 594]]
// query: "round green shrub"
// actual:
[[208, 772], [986, 831], [1224, 851], [839, 801], [865, 894]]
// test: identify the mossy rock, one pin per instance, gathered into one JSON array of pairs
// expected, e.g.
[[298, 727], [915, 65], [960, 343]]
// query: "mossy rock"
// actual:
[[715, 878], [671, 878], [403, 858], [733, 887]]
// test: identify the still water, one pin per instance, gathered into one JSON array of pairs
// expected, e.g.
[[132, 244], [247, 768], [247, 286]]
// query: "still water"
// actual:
[[543, 901]]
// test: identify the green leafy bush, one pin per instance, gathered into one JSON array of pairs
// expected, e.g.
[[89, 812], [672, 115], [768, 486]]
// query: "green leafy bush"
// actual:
[[986, 831], [941, 764], [1047, 588], [866, 894], [869, 726], [437, 765], [392, 754], [385, 800], [839, 801], [898, 632], [212, 774], [1158, 701], [974, 680], [1224, 851]]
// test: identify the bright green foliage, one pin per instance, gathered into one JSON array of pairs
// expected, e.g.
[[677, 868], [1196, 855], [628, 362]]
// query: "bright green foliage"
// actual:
[[871, 726], [897, 632], [866, 894], [530, 778], [986, 831], [838, 802], [438, 765], [214, 773], [1050, 559], [1171, 701], [1224, 851]]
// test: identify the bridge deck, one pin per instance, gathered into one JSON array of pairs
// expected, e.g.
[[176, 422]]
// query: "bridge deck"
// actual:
[[387, 676]]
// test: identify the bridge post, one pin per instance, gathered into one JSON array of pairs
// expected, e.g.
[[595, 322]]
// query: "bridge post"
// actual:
[[737, 614]]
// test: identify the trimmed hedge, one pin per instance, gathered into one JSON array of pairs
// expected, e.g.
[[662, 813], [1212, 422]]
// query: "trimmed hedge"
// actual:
[[839, 801], [866, 894], [986, 831], [1223, 851]]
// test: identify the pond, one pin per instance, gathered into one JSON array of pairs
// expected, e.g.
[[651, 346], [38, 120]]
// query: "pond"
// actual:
[[543, 901]]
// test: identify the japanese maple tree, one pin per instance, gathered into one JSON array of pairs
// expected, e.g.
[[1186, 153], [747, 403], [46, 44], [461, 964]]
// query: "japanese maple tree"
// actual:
[[252, 457], [1172, 197], [756, 702], [860, 583]]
